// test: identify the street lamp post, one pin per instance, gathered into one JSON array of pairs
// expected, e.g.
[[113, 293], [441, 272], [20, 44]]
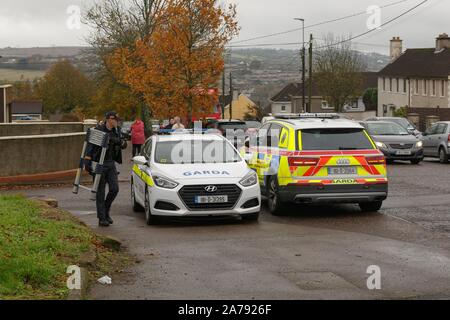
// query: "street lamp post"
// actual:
[[303, 58]]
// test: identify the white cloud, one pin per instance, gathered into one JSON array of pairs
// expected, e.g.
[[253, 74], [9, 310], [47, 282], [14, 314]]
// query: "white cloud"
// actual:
[[43, 22]]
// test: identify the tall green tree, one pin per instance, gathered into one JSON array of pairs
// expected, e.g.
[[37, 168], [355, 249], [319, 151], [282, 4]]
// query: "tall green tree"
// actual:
[[119, 25], [65, 88], [338, 72]]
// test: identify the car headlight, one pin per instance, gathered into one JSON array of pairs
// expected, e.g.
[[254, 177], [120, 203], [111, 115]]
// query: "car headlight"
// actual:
[[381, 145], [419, 144], [165, 183], [250, 179]]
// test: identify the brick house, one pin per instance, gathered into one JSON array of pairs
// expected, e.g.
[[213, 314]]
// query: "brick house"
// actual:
[[417, 79]]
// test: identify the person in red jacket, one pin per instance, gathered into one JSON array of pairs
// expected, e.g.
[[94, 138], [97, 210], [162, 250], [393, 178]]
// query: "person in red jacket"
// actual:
[[137, 136]]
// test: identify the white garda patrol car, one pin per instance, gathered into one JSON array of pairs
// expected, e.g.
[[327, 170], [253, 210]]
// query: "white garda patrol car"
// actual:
[[193, 175]]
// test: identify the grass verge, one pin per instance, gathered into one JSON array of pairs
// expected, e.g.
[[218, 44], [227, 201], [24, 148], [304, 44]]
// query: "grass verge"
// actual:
[[38, 243]]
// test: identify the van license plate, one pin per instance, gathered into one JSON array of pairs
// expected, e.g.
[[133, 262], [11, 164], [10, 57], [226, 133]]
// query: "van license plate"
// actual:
[[211, 199], [337, 171]]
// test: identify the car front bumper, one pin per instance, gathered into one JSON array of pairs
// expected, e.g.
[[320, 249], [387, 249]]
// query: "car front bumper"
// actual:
[[391, 154], [357, 193], [173, 197]]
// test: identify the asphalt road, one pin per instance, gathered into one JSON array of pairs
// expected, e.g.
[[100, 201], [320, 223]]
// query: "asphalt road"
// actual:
[[310, 253]]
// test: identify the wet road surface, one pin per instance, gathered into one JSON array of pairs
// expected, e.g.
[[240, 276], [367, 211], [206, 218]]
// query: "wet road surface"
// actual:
[[309, 253]]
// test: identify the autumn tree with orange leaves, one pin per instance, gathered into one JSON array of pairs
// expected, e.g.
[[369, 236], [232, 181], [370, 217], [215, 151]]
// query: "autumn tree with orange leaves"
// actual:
[[182, 58]]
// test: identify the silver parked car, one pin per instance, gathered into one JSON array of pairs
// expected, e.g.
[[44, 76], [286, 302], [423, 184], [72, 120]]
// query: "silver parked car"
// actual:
[[395, 141], [405, 123], [436, 141]]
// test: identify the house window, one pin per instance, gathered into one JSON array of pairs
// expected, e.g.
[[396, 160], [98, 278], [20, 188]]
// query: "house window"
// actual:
[[425, 87], [384, 84], [404, 85], [325, 104], [416, 89], [283, 108], [442, 88], [433, 88], [390, 84], [397, 85]]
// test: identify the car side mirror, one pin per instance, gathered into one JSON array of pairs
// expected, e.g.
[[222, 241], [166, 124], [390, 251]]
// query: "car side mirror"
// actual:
[[247, 143], [140, 160]]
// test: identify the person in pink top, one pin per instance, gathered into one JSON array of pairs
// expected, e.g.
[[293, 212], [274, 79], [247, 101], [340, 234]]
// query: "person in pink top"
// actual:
[[137, 136]]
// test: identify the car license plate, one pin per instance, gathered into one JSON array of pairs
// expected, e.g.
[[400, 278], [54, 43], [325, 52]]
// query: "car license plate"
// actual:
[[211, 199], [337, 171], [403, 153]]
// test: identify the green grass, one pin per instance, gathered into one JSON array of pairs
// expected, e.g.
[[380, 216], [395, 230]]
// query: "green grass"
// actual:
[[18, 75], [37, 244]]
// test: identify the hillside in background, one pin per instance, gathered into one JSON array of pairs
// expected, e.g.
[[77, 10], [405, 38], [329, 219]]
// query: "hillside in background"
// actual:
[[258, 73]]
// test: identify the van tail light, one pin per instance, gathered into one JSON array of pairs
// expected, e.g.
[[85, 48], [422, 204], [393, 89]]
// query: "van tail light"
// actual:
[[376, 160], [303, 161]]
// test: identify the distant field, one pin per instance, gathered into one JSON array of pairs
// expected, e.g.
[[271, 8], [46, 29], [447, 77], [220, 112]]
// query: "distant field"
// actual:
[[16, 75]]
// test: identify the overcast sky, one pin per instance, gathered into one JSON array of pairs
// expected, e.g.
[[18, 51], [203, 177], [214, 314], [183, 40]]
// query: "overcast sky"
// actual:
[[25, 23]]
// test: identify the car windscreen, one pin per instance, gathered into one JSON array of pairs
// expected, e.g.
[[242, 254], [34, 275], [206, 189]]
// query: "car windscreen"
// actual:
[[195, 151], [386, 129], [402, 122], [335, 139]]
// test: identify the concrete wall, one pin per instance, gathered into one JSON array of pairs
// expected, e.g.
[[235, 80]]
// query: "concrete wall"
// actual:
[[28, 155], [42, 128]]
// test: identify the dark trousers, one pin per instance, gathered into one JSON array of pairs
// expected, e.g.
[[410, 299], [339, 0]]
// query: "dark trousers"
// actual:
[[137, 149], [110, 177]]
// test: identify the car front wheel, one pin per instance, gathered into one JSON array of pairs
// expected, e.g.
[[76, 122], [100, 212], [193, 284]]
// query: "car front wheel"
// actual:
[[136, 206], [150, 219]]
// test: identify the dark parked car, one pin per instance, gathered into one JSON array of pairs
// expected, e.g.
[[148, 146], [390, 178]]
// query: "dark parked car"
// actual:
[[252, 127], [234, 130], [405, 123], [436, 141], [126, 130], [395, 141]]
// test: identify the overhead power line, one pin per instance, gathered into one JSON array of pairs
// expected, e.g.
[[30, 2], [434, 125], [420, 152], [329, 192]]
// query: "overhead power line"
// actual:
[[373, 30], [316, 24], [337, 43]]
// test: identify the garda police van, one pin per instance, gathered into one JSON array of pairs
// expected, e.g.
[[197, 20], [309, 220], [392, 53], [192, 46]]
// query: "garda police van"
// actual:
[[317, 158], [194, 175]]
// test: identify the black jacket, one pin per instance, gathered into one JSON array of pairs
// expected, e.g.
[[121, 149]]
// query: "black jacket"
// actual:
[[117, 143]]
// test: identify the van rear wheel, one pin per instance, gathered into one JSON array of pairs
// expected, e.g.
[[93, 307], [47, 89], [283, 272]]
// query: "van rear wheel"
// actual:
[[371, 206], [275, 203]]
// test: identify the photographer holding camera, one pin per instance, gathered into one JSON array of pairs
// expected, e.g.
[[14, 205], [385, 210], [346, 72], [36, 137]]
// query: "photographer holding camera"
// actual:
[[109, 173]]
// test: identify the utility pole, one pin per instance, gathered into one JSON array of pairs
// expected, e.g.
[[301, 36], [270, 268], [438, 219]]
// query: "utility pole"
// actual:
[[303, 54], [310, 71], [222, 104], [231, 96]]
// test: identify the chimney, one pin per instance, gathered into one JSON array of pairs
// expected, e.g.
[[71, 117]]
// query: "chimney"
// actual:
[[396, 48], [442, 42]]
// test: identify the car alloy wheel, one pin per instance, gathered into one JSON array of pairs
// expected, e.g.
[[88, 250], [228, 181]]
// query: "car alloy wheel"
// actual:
[[274, 201], [443, 156]]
